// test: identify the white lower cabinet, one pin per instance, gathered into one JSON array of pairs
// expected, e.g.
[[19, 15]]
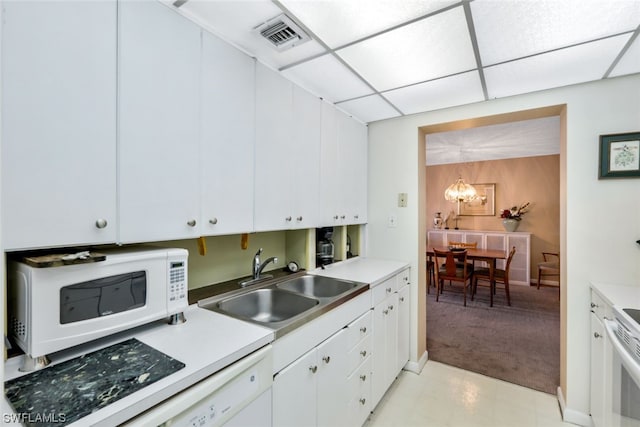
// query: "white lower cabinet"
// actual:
[[311, 391], [385, 337], [404, 320], [391, 317]]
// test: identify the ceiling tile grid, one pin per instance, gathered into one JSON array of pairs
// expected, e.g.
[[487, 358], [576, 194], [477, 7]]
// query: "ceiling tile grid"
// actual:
[[378, 59]]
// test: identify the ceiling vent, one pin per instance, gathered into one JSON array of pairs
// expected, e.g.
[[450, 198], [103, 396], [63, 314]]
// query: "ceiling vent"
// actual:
[[282, 32]]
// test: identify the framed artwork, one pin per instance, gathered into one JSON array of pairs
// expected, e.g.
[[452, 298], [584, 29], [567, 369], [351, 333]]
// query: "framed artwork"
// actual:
[[619, 155], [484, 204]]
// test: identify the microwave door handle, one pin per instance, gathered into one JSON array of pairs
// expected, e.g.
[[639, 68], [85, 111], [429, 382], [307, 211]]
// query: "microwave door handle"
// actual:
[[632, 366]]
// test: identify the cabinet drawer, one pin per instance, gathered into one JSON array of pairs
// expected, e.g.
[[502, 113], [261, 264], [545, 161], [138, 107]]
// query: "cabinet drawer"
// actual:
[[358, 329], [384, 289], [359, 353], [359, 386]]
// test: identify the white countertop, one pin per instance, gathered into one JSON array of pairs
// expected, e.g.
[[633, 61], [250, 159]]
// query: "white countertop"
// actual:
[[623, 296], [206, 343], [359, 269]]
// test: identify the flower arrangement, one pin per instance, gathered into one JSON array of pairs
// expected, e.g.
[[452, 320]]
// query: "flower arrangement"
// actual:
[[515, 212]]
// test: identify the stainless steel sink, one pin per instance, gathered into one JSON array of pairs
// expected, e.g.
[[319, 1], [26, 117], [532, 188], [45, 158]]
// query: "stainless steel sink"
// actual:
[[267, 305], [287, 303], [317, 286]]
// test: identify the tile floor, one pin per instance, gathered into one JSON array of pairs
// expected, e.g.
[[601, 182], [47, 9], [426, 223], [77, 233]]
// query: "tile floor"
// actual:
[[444, 396]]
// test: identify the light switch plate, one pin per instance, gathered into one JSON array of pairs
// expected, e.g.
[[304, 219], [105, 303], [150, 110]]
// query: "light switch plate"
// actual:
[[402, 200]]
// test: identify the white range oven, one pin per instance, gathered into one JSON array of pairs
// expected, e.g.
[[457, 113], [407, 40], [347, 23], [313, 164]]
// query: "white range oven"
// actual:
[[622, 379]]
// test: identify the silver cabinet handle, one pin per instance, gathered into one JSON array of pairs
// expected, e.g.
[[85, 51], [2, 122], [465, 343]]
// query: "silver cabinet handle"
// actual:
[[191, 223], [363, 353], [213, 221], [313, 369], [594, 305], [343, 216], [388, 290], [401, 299], [363, 400], [391, 307], [363, 329], [385, 311], [101, 223], [299, 218], [288, 219], [363, 377], [335, 217], [597, 335], [326, 359]]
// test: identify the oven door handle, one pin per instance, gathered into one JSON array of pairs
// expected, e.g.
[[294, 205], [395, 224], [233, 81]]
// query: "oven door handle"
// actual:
[[632, 365]]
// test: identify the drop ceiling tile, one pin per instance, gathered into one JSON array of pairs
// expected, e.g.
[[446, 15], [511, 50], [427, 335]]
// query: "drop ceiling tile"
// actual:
[[508, 30], [630, 62], [564, 67], [460, 89], [233, 21], [430, 48], [338, 22], [369, 108], [326, 76]]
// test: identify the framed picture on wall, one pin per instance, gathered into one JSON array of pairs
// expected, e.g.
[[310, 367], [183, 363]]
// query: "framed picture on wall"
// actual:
[[484, 204], [619, 155]]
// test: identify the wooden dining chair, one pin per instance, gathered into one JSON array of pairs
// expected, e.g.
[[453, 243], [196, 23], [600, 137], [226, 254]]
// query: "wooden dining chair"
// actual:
[[499, 276], [550, 267], [431, 275], [452, 266]]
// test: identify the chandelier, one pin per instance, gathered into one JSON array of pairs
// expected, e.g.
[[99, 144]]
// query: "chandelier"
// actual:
[[459, 192]]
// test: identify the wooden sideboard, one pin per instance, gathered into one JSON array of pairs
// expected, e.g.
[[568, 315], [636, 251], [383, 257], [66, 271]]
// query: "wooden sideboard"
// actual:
[[520, 272]]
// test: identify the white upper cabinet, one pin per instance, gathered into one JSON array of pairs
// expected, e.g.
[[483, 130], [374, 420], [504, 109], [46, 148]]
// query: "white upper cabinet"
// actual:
[[352, 156], [343, 189], [287, 154], [58, 123], [227, 138], [159, 122]]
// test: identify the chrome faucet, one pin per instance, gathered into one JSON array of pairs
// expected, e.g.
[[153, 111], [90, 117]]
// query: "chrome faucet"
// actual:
[[258, 266]]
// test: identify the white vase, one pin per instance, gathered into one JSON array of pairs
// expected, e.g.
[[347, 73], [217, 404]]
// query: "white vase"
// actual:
[[510, 224], [437, 221]]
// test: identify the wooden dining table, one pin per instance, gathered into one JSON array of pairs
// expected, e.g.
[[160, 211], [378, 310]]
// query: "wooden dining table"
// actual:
[[490, 256]]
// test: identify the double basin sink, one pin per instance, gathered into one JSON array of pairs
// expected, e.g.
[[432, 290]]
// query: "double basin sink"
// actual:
[[287, 303]]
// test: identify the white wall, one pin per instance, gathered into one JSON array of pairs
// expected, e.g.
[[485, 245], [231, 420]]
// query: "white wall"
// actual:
[[600, 221]]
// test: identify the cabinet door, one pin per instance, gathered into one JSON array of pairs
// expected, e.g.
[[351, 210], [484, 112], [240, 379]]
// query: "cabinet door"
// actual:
[[332, 381], [519, 271], [294, 393], [329, 183], [352, 154], [404, 324], [385, 321], [159, 118], [304, 186], [274, 120], [598, 369], [58, 123], [227, 141]]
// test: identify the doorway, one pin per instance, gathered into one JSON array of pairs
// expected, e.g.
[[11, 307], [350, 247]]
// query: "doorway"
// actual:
[[478, 171]]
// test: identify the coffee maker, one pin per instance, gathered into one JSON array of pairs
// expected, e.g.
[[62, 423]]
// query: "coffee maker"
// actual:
[[324, 246]]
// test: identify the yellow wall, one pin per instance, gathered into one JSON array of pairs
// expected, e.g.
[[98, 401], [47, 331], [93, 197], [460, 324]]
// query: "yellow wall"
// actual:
[[533, 179]]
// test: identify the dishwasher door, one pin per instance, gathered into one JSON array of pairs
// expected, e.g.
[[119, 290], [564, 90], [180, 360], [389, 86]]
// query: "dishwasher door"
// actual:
[[238, 395]]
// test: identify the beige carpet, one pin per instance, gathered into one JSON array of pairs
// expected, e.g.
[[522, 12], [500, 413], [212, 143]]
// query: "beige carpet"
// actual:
[[519, 344]]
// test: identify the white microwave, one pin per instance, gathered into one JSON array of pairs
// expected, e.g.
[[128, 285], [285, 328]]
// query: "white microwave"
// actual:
[[54, 308]]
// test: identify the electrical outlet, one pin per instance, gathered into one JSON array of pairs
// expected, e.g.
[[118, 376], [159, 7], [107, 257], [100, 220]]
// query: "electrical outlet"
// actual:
[[402, 200], [392, 221]]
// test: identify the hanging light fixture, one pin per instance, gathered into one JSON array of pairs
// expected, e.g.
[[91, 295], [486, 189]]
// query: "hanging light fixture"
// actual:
[[460, 191]]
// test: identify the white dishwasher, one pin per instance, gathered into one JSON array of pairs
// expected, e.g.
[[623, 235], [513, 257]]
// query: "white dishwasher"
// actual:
[[237, 396]]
